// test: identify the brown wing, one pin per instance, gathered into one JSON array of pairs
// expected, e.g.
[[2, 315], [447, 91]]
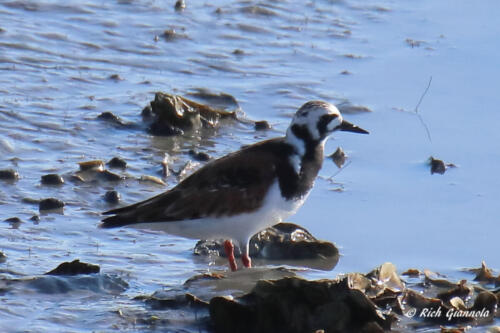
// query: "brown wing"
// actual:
[[233, 184]]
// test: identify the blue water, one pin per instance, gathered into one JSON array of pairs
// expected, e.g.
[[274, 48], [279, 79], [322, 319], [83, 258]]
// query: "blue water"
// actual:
[[56, 65]]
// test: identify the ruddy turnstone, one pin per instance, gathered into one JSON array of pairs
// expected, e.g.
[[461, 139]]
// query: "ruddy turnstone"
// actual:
[[246, 191]]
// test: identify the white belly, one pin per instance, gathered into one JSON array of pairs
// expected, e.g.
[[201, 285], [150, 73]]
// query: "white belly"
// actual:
[[240, 228]]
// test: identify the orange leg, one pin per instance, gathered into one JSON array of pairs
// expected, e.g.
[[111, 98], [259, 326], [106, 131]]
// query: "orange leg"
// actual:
[[229, 248], [247, 262]]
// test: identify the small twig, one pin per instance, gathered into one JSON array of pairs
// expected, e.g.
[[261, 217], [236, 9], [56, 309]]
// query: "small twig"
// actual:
[[330, 179], [418, 114]]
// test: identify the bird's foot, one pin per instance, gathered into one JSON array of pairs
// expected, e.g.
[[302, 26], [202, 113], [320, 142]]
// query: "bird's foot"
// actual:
[[247, 262], [229, 248]]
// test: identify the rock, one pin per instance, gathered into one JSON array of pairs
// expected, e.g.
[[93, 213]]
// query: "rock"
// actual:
[[172, 35], [9, 174], [152, 180], [262, 125], [174, 114], [35, 218], [180, 5], [412, 272], [166, 301], [14, 222], [348, 108], [112, 197], [115, 77], [461, 290], [219, 100], [297, 305], [338, 157], [484, 274], [3, 257], [117, 162], [111, 118], [96, 165], [74, 268], [283, 241], [52, 179], [50, 203], [199, 156], [109, 176], [437, 166]]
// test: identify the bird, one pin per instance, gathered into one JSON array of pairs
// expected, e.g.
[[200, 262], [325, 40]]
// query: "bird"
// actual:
[[237, 195]]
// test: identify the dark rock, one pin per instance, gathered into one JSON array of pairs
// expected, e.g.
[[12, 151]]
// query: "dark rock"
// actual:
[[298, 305], [147, 112], [283, 241], [3, 257], [9, 174], [115, 77], [112, 197], [172, 35], [339, 157], [199, 156], [160, 301], [74, 268], [50, 203], [35, 218], [437, 166], [412, 272], [117, 162], [174, 114], [114, 120], [109, 176], [180, 5], [161, 129], [52, 179], [13, 220], [262, 125], [238, 52]]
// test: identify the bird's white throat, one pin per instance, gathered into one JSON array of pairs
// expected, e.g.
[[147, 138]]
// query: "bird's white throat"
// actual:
[[299, 147]]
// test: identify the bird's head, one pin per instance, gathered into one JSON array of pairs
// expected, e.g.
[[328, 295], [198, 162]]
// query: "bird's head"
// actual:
[[316, 120]]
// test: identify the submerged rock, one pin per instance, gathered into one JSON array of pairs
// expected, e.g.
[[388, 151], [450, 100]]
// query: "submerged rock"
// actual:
[[74, 268], [113, 119], [199, 156], [174, 114], [262, 125], [50, 203], [52, 179], [117, 162], [112, 197], [284, 242], [298, 305], [9, 174], [163, 301]]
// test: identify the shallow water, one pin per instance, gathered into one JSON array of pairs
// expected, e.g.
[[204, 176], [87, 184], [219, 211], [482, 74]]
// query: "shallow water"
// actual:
[[62, 64]]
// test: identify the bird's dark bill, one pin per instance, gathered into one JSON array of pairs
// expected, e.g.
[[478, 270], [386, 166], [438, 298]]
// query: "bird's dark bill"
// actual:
[[348, 127]]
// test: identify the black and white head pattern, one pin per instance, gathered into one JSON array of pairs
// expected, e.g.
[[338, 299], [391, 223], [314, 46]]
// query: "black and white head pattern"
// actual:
[[312, 124]]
